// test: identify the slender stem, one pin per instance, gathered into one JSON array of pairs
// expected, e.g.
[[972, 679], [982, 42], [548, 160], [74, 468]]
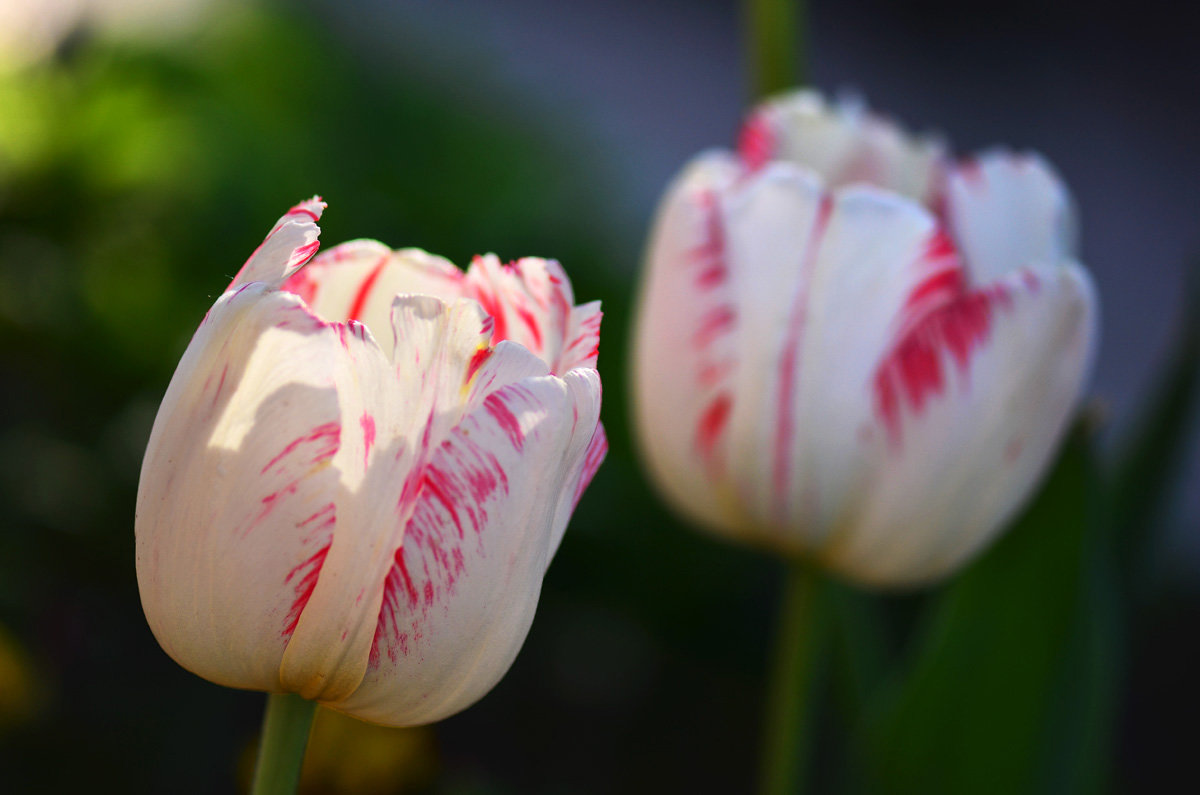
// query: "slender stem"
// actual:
[[775, 45], [799, 653], [284, 738]]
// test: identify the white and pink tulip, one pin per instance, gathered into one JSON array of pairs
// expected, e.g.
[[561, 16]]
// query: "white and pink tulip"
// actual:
[[361, 470], [851, 347]]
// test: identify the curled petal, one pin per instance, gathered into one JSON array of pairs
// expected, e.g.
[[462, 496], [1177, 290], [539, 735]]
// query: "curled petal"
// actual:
[[1008, 211], [981, 392], [290, 244]]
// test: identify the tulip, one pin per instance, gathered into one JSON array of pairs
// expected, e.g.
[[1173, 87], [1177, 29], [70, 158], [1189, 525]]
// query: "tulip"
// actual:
[[361, 469], [853, 349]]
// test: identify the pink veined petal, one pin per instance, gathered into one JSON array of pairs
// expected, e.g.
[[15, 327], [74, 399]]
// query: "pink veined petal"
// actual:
[[290, 244], [532, 303], [581, 345], [586, 451], [843, 142], [404, 411], [1008, 211], [359, 279], [984, 388], [461, 594], [236, 508], [821, 281], [685, 363]]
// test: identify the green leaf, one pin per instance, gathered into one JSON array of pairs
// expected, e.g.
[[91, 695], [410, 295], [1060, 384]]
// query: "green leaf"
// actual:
[[1148, 465], [1012, 664]]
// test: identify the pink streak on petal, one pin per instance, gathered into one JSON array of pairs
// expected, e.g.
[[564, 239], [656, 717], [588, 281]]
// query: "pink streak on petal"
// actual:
[[485, 295], [913, 372], [477, 361], [756, 142], [368, 428], [789, 364], [301, 209], [451, 511], [306, 575], [326, 436], [364, 291], [316, 529], [302, 283], [714, 363], [712, 422], [592, 459], [712, 325], [508, 422], [303, 254], [535, 331]]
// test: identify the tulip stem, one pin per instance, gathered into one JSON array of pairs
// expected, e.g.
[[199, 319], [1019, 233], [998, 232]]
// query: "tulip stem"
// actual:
[[284, 737], [775, 45], [797, 664]]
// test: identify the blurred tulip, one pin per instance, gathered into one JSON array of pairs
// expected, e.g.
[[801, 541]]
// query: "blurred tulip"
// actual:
[[361, 469], [850, 347]]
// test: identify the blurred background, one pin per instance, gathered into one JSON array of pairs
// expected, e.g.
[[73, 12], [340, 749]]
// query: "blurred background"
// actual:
[[146, 148]]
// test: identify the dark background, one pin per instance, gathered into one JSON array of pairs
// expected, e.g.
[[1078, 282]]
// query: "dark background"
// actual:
[[135, 176]]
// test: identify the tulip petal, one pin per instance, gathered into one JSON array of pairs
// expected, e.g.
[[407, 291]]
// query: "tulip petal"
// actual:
[[290, 244], [461, 594], [1007, 211], [985, 387], [827, 278], [359, 279], [843, 142], [409, 408], [236, 500], [532, 303], [685, 358]]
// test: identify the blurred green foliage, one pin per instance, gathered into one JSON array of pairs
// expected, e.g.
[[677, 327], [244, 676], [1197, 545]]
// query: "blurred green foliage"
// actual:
[[987, 704]]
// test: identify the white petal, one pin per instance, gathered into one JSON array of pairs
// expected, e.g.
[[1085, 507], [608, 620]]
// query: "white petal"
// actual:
[[236, 504], [529, 301], [684, 356], [821, 281], [408, 408], [532, 303], [972, 404], [843, 142], [581, 344], [462, 592], [1008, 211], [358, 280], [290, 244]]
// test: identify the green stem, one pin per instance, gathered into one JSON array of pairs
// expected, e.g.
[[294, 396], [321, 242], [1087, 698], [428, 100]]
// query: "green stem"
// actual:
[[799, 652], [775, 45], [284, 738]]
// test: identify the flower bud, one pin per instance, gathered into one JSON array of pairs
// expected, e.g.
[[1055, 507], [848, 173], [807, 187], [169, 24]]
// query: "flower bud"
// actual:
[[361, 469], [851, 347]]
